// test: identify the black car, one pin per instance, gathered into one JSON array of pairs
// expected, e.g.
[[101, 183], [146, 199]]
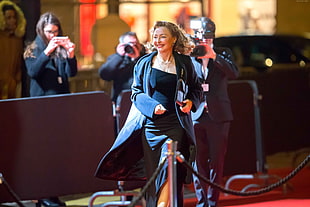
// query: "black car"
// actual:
[[280, 66], [258, 53]]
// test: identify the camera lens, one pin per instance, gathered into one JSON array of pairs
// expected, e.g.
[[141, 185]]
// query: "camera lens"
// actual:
[[199, 51], [128, 49]]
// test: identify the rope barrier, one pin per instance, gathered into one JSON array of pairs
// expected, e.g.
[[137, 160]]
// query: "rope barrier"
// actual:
[[181, 159], [147, 185]]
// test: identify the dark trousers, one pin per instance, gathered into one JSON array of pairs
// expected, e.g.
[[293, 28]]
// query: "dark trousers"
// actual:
[[211, 145]]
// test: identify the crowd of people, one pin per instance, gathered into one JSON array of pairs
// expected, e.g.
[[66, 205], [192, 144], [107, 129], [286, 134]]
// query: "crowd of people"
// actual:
[[176, 96]]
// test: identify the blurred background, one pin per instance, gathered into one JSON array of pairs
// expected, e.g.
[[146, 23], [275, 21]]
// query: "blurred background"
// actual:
[[280, 66], [269, 39], [95, 25]]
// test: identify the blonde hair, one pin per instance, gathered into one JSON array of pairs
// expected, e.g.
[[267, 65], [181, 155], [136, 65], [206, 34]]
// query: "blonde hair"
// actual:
[[183, 43]]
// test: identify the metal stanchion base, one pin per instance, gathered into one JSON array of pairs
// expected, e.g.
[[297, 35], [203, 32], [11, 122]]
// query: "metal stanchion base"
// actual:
[[264, 177], [112, 193]]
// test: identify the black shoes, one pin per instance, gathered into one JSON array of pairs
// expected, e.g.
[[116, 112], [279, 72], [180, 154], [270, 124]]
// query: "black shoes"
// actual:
[[52, 202]]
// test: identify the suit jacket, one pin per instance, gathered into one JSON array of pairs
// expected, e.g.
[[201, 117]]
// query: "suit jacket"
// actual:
[[123, 161], [220, 71]]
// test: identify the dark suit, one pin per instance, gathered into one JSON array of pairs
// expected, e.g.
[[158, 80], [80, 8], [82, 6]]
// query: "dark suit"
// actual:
[[211, 124]]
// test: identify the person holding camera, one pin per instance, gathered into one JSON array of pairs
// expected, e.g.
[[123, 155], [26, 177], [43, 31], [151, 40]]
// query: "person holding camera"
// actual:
[[50, 59], [214, 67], [119, 66]]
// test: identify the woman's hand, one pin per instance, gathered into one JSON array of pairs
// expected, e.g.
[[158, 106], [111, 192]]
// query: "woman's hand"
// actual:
[[60, 41], [186, 108], [159, 109], [68, 45], [52, 45]]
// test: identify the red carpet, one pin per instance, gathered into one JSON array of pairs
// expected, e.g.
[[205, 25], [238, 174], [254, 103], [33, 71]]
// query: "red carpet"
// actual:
[[295, 193], [279, 203]]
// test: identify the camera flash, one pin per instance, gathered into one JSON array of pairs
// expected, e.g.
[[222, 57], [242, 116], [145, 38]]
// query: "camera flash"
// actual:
[[195, 24]]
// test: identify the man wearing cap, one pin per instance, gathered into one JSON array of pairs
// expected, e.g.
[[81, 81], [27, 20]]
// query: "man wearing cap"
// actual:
[[214, 67]]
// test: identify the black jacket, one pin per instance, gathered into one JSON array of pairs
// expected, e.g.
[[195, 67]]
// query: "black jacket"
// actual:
[[118, 69], [49, 76], [221, 70]]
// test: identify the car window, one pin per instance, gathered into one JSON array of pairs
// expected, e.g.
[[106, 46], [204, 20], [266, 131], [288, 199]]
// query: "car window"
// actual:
[[301, 45], [257, 51]]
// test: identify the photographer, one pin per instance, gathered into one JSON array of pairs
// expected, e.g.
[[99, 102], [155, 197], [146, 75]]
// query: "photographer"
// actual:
[[119, 66], [214, 67], [50, 59]]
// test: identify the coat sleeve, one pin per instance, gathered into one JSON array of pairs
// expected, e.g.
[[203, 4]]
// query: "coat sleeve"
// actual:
[[141, 98], [71, 67], [114, 66], [224, 61], [194, 86], [36, 65], [107, 70]]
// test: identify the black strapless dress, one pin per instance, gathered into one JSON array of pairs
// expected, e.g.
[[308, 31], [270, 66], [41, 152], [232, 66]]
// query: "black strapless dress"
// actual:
[[159, 131]]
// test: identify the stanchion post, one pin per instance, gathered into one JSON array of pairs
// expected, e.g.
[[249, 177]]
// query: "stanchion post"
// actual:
[[10, 190], [172, 174]]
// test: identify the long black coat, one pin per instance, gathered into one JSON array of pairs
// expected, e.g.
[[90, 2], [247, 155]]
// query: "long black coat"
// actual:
[[122, 162]]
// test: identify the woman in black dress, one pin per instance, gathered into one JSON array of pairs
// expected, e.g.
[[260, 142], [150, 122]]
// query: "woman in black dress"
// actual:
[[156, 116]]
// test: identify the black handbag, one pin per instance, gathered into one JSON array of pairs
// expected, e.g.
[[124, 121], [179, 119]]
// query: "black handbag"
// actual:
[[182, 90]]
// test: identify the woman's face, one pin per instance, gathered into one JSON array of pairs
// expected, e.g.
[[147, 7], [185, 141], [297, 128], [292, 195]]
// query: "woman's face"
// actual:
[[10, 20], [50, 31], [163, 40]]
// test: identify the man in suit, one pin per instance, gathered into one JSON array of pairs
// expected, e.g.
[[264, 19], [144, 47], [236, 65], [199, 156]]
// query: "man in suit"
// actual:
[[214, 67]]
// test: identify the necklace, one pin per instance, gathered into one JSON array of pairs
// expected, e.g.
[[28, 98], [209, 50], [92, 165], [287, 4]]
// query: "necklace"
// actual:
[[166, 66]]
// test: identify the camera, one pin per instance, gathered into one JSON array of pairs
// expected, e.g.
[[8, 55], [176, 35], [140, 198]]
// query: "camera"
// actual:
[[199, 51], [204, 28], [128, 48]]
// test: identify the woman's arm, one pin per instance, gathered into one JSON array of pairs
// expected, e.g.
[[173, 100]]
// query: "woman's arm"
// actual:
[[141, 98], [194, 87], [35, 65]]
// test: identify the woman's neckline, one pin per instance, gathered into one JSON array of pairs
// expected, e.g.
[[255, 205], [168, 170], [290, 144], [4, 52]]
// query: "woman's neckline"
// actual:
[[167, 66], [161, 59]]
